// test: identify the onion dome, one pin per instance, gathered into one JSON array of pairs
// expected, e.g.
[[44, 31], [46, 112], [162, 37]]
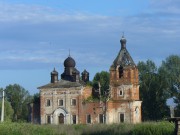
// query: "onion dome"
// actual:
[[69, 62], [123, 42]]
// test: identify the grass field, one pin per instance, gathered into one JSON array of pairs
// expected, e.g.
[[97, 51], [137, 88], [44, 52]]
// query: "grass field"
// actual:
[[148, 128]]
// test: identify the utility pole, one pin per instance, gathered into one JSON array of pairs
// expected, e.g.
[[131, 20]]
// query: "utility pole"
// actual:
[[2, 109]]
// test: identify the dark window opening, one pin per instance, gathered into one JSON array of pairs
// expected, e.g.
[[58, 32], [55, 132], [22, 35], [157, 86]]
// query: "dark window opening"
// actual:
[[74, 119], [48, 102], [48, 119], [120, 72], [73, 102], [101, 119], [88, 118], [121, 93], [60, 102], [121, 117]]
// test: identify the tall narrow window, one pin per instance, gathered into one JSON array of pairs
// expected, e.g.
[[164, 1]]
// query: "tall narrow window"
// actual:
[[60, 102], [120, 72], [88, 118], [120, 92], [74, 119], [73, 102], [48, 119], [101, 119], [48, 102], [121, 117]]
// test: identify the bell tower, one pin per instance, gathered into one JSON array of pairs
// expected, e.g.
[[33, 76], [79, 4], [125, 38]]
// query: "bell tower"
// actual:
[[124, 76]]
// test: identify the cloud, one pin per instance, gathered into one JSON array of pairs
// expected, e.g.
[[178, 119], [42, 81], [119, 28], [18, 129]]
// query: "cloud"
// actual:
[[165, 7], [35, 39], [36, 14], [37, 36]]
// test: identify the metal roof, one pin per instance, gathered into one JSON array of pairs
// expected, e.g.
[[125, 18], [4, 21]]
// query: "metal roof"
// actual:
[[123, 58], [61, 84]]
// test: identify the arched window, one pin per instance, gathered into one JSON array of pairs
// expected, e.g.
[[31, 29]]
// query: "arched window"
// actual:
[[121, 92], [120, 72]]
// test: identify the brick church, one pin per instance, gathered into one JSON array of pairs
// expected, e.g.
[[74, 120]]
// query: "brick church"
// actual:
[[66, 100]]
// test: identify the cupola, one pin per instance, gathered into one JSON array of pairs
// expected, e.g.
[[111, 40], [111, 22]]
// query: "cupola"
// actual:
[[70, 72], [54, 76], [123, 42], [85, 76], [123, 58], [69, 62]]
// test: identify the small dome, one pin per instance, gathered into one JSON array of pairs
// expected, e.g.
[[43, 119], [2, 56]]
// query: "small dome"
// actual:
[[123, 40], [85, 72], [54, 72], [69, 62]]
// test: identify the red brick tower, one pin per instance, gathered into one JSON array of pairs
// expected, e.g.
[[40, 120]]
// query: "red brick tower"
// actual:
[[124, 86]]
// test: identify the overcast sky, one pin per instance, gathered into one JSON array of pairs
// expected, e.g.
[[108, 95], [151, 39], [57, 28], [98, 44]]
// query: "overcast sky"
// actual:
[[36, 35]]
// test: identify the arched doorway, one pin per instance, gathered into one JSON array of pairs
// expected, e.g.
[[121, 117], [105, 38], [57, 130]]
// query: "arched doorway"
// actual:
[[137, 115], [61, 118]]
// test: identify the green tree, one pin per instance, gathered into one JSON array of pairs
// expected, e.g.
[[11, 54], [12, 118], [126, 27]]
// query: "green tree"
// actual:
[[8, 111], [103, 79], [36, 98], [18, 97], [152, 92], [170, 69]]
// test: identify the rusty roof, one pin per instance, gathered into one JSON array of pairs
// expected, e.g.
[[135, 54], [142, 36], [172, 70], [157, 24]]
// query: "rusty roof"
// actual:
[[123, 58], [61, 84]]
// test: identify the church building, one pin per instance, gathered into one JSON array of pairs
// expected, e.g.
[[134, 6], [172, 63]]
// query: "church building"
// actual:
[[67, 100]]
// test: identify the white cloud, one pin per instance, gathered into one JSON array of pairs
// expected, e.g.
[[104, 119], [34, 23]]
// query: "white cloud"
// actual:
[[36, 14], [167, 7], [36, 34]]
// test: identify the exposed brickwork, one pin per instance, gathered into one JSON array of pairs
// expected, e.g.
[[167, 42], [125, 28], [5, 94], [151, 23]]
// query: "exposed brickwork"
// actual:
[[125, 95], [87, 92]]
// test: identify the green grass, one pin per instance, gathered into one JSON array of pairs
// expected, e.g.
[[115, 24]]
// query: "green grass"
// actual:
[[148, 128], [159, 128]]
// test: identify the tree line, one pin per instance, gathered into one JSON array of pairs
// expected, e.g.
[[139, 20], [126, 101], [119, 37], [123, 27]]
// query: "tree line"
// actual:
[[157, 84]]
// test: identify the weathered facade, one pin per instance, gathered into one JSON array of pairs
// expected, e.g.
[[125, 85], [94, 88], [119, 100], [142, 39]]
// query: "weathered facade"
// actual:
[[124, 87], [67, 101]]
